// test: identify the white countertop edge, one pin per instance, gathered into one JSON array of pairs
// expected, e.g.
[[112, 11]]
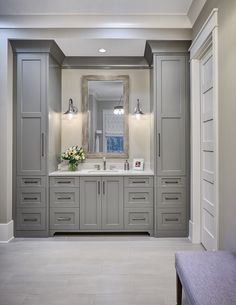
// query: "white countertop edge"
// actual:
[[101, 173]]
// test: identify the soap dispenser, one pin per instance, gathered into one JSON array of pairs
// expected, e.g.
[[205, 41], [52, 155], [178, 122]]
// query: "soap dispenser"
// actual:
[[126, 165]]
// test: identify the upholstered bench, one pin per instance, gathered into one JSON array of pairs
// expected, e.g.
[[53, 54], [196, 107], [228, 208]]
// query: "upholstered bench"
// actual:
[[207, 277]]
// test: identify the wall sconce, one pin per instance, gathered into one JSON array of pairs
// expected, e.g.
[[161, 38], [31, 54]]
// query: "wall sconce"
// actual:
[[138, 111], [72, 110], [119, 109]]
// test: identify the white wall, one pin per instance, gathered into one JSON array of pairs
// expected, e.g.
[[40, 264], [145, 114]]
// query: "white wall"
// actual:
[[139, 130]]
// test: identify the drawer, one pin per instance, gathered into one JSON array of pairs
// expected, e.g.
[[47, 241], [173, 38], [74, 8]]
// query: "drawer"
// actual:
[[171, 197], [141, 197], [139, 181], [64, 218], [64, 181], [171, 219], [31, 197], [171, 181], [138, 219], [31, 219], [31, 181], [64, 197]]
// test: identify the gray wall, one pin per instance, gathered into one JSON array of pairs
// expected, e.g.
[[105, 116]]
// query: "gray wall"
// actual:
[[227, 111]]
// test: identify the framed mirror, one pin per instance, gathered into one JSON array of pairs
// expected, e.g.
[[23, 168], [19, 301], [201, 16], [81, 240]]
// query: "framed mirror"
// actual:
[[105, 109]]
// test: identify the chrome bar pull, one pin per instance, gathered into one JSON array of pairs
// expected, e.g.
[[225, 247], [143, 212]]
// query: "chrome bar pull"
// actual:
[[99, 187]]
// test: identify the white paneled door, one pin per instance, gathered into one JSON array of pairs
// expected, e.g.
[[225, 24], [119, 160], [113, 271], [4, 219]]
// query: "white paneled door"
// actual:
[[208, 155]]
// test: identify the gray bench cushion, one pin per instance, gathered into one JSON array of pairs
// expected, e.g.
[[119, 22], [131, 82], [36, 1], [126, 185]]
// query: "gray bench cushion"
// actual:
[[208, 277]]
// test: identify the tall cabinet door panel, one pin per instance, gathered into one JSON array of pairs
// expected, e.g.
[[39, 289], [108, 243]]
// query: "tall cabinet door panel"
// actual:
[[31, 114], [90, 203], [171, 97], [112, 203]]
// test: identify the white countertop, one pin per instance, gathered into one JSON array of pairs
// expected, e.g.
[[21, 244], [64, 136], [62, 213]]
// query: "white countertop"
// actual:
[[91, 172]]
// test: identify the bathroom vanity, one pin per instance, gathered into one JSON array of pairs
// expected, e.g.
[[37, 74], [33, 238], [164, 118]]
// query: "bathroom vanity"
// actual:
[[155, 200], [87, 201]]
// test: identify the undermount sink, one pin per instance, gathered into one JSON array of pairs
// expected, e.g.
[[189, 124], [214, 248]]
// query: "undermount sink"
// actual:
[[102, 171]]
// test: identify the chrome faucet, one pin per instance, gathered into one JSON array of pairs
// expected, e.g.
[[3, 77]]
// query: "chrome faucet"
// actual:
[[104, 163]]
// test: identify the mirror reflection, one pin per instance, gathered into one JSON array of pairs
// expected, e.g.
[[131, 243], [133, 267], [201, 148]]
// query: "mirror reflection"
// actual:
[[106, 116], [106, 108]]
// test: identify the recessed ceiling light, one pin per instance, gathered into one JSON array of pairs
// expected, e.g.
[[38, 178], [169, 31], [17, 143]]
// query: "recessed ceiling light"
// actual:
[[102, 50]]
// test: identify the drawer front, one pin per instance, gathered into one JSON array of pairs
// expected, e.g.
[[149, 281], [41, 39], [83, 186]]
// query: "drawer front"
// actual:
[[171, 197], [64, 181], [64, 219], [141, 197], [31, 197], [31, 181], [139, 181], [64, 197], [138, 219], [171, 181], [171, 219], [31, 219]]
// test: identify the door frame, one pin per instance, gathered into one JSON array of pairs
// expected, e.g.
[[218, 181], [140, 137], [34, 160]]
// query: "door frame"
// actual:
[[207, 36]]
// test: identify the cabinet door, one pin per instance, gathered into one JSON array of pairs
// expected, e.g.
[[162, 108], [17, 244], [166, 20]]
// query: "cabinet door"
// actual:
[[31, 114], [112, 203], [171, 108], [90, 203]]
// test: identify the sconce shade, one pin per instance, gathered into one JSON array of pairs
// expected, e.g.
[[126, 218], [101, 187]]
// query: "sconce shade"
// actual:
[[71, 109], [118, 110]]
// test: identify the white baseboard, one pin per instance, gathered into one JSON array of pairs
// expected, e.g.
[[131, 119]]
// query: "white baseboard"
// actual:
[[6, 232]]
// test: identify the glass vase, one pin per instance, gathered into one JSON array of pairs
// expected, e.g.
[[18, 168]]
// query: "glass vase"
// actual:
[[72, 166]]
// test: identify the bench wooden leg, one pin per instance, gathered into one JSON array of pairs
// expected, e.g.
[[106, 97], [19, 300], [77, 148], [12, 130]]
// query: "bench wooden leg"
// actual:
[[178, 290]]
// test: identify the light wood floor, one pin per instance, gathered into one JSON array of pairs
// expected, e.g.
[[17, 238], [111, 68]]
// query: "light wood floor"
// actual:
[[90, 270]]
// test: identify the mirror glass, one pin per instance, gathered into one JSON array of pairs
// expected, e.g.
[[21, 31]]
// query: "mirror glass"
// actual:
[[105, 109]]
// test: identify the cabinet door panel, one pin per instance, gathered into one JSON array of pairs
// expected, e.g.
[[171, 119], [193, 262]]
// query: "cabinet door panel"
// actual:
[[90, 203], [112, 203], [171, 109], [31, 114]]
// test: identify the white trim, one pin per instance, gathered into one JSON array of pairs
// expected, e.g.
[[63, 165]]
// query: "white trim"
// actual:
[[6, 232], [194, 224], [206, 36], [204, 33]]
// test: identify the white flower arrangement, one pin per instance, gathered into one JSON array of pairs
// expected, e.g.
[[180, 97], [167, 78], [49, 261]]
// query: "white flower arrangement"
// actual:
[[74, 155]]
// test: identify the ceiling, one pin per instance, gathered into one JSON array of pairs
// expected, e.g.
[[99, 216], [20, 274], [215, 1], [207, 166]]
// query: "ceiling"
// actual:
[[82, 27], [96, 7]]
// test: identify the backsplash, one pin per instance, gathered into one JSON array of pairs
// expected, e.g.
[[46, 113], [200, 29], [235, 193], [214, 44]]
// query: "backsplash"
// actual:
[[139, 130]]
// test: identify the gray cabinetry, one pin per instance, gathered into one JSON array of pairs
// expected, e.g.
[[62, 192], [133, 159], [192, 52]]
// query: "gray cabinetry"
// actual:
[[90, 203], [112, 203], [138, 211], [101, 203], [37, 96], [31, 114], [64, 204], [171, 101], [171, 106]]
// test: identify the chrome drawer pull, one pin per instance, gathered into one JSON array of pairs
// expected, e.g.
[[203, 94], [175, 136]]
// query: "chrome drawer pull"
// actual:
[[63, 198], [169, 198], [29, 182], [64, 218], [138, 182], [171, 219], [30, 219], [139, 218], [171, 182], [141, 198], [30, 198], [64, 182]]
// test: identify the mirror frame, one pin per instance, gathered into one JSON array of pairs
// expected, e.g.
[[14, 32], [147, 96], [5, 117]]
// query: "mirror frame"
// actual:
[[85, 134]]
